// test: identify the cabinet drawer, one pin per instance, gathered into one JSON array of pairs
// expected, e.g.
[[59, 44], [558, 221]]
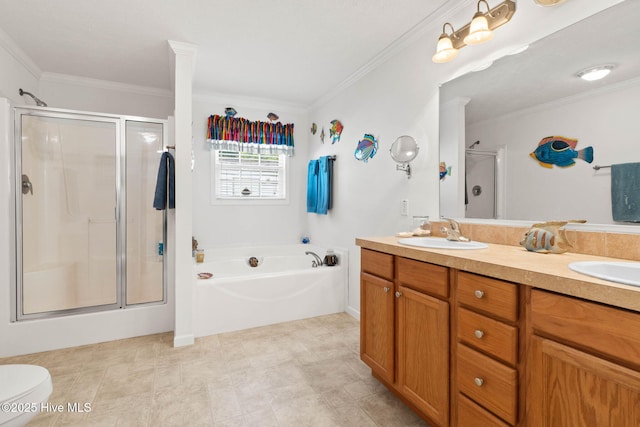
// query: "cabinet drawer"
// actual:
[[423, 277], [489, 335], [376, 263], [488, 382], [471, 414], [488, 295], [610, 331]]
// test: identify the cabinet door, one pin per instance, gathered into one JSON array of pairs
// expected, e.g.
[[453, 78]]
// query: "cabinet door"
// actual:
[[423, 355], [571, 388], [377, 325]]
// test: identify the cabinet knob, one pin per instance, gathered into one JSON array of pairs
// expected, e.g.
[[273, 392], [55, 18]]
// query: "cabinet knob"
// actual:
[[398, 294], [386, 289], [479, 294], [479, 381], [478, 333]]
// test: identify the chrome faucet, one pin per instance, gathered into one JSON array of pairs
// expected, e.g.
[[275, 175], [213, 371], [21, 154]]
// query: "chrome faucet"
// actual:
[[453, 231], [317, 262]]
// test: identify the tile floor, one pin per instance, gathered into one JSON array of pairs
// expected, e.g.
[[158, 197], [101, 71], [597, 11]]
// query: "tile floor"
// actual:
[[302, 373]]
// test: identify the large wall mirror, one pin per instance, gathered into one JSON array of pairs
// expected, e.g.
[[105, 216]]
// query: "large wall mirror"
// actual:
[[492, 120]]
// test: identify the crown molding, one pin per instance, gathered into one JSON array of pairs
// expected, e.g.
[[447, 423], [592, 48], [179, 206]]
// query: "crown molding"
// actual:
[[105, 84], [14, 50]]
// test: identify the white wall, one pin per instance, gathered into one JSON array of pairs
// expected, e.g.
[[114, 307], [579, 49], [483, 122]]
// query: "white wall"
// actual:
[[253, 224], [401, 97], [76, 93], [539, 193]]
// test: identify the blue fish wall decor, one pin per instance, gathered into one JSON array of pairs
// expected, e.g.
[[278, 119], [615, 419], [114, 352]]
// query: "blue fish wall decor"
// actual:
[[367, 148], [560, 151]]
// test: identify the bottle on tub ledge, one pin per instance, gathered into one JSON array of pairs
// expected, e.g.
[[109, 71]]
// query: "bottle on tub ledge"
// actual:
[[330, 259]]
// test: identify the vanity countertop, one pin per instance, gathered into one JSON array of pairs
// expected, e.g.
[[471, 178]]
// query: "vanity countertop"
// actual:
[[516, 264]]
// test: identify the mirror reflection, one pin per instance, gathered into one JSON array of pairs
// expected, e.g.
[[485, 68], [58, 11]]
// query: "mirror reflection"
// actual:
[[492, 123]]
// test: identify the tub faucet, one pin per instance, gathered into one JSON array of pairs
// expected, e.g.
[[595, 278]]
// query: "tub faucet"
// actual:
[[317, 262], [453, 231]]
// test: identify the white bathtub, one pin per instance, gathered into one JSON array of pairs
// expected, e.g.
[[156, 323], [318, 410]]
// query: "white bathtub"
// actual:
[[283, 287]]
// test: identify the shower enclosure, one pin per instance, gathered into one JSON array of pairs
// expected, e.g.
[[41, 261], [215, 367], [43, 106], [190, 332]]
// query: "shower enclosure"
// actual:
[[87, 237], [481, 184]]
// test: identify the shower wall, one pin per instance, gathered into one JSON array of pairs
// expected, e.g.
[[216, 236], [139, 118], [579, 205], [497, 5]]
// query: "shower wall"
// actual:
[[69, 227]]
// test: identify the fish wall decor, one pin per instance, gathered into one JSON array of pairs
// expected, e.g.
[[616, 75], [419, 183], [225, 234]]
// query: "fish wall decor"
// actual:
[[230, 112], [560, 151], [322, 135], [548, 237], [314, 128], [444, 171], [335, 131], [367, 148]]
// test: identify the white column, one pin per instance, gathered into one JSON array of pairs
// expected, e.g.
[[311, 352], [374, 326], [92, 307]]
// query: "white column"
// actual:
[[184, 61]]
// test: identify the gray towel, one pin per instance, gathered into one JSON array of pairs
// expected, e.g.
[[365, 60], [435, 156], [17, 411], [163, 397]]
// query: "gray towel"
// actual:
[[625, 192]]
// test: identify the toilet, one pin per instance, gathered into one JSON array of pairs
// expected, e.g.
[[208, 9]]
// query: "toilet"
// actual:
[[23, 391]]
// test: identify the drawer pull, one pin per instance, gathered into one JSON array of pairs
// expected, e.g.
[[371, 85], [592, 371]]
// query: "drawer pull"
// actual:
[[479, 333], [386, 289], [479, 294], [479, 381], [398, 294]]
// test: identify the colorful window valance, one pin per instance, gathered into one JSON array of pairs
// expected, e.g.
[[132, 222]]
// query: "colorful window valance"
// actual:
[[238, 134]]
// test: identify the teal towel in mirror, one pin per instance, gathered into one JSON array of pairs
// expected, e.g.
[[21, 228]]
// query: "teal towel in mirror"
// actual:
[[625, 192]]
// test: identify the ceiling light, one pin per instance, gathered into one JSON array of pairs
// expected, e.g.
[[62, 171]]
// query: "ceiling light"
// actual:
[[595, 73], [479, 30], [445, 51]]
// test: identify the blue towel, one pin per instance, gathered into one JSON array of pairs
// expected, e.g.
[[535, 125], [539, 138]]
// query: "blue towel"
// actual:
[[166, 183], [312, 186], [324, 185], [625, 192]]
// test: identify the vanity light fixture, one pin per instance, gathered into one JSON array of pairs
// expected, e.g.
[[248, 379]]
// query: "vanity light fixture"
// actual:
[[479, 30], [595, 73]]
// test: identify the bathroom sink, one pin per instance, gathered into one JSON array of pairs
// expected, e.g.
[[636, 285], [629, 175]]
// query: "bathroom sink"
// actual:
[[619, 272], [440, 243]]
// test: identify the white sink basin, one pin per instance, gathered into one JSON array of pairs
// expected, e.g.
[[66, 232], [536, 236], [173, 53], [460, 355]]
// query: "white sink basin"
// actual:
[[440, 243], [619, 272]]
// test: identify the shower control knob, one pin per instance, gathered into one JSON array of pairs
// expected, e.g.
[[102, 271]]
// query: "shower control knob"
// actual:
[[479, 294], [398, 294]]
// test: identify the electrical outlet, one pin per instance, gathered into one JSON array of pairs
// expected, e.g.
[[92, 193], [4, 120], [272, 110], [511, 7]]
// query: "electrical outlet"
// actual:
[[404, 207]]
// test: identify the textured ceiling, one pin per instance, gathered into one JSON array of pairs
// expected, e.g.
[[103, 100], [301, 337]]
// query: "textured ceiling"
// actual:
[[288, 50]]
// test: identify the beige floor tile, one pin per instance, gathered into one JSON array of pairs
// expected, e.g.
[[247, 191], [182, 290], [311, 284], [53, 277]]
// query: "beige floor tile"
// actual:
[[302, 373]]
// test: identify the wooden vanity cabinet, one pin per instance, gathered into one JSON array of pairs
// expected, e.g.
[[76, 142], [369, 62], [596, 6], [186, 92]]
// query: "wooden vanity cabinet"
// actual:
[[377, 313], [486, 351], [584, 363], [405, 330]]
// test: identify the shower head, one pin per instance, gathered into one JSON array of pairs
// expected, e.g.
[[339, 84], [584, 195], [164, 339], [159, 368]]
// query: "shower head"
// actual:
[[39, 103], [474, 144]]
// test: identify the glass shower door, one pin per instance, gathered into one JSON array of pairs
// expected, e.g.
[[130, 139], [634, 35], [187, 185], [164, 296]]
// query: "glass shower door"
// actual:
[[69, 169], [145, 225]]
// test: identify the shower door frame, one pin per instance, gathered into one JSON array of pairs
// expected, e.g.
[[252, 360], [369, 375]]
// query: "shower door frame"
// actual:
[[16, 288]]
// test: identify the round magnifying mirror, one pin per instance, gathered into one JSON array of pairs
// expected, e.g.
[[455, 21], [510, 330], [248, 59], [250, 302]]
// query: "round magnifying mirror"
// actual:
[[404, 149]]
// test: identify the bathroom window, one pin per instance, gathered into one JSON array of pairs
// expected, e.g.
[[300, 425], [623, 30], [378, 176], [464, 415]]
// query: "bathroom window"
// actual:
[[249, 176]]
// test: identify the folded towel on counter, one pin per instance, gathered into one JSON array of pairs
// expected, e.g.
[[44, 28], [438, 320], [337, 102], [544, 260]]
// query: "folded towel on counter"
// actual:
[[625, 192], [166, 183]]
